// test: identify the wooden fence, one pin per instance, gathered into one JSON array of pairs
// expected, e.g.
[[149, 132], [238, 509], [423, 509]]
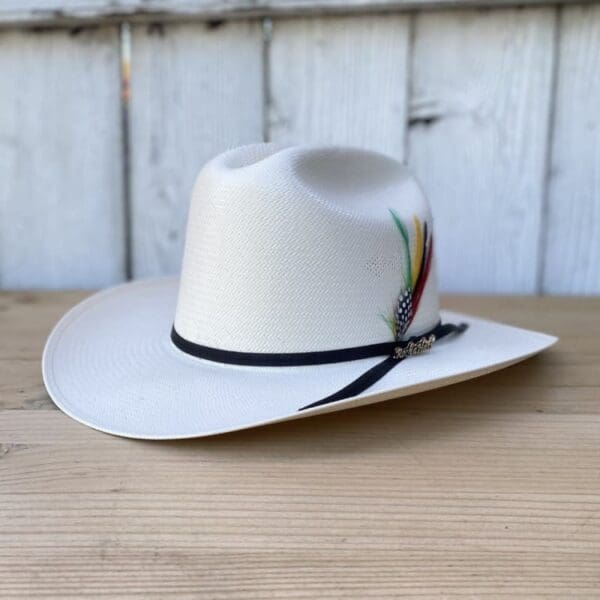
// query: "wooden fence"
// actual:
[[496, 108]]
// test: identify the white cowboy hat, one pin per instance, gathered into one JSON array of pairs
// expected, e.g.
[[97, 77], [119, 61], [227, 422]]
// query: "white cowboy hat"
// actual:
[[308, 286]]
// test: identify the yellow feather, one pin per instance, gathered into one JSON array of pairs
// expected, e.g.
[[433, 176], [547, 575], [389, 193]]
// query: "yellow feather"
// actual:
[[417, 254]]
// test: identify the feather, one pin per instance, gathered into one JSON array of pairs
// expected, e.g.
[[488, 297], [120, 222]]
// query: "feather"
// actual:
[[403, 313], [423, 278], [417, 255], [417, 266], [425, 245], [391, 323], [402, 229]]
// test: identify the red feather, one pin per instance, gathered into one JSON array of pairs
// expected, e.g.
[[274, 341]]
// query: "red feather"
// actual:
[[422, 280]]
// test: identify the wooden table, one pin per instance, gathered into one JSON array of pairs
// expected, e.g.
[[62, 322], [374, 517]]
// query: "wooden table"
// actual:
[[487, 488]]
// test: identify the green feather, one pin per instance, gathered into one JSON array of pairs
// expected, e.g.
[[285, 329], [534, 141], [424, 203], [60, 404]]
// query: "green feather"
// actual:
[[403, 231], [390, 322]]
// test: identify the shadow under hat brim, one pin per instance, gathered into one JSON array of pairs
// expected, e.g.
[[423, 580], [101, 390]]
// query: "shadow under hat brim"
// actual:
[[109, 363]]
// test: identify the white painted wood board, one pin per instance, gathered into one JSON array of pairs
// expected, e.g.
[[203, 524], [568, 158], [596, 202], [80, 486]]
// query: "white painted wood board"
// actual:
[[61, 192], [64, 12], [340, 80], [483, 125], [572, 238], [480, 105], [195, 91]]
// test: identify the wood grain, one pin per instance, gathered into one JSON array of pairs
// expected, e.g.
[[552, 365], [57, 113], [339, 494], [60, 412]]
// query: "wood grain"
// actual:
[[572, 235], [485, 488], [71, 12], [61, 190], [480, 107], [340, 81], [196, 91]]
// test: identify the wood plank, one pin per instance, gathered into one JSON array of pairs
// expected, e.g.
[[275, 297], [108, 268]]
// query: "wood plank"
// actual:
[[478, 141], [485, 488], [572, 241], [61, 192], [26, 319], [340, 81], [72, 12], [179, 570], [196, 90]]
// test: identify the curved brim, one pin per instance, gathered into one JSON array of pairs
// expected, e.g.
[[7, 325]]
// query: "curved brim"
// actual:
[[110, 364]]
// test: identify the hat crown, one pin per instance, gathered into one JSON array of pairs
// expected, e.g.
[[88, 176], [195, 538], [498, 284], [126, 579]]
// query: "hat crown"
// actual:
[[303, 249]]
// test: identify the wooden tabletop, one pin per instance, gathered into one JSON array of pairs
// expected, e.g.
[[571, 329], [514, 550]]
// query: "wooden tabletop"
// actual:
[[486, 488]]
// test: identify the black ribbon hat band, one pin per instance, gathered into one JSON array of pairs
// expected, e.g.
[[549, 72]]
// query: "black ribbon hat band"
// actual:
[[395, 353]]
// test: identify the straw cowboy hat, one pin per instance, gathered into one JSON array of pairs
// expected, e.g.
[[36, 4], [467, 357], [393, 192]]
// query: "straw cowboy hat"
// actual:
[[308, 286]]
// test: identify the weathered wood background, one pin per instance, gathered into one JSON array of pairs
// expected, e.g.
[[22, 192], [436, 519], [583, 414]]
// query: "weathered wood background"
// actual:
[[496, 108]]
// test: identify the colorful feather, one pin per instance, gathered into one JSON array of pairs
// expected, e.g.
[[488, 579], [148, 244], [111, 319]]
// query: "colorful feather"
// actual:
[[416, 272], [404, 233], [426, 244], [417, 257], [418, 291]]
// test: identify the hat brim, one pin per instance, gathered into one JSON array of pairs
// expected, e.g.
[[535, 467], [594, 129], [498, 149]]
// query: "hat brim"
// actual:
[[109, 363]]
